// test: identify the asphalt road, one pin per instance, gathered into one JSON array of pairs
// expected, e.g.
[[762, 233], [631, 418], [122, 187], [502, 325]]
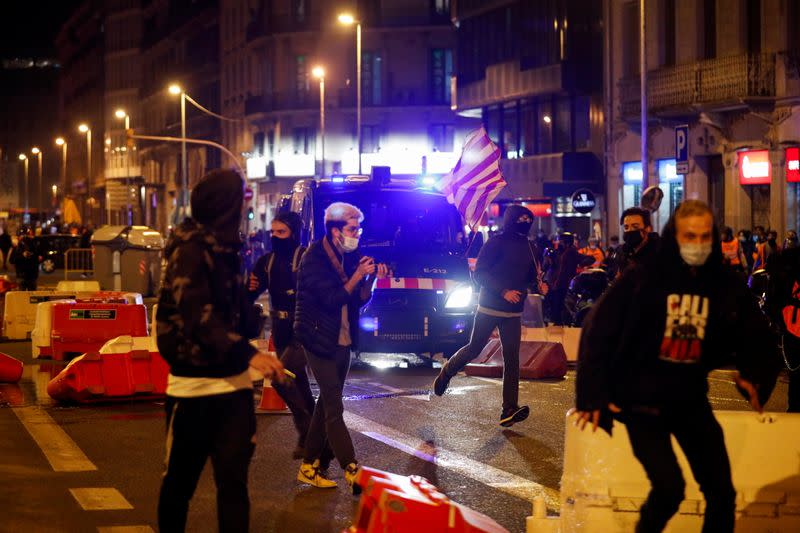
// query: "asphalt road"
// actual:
[[396, 424]]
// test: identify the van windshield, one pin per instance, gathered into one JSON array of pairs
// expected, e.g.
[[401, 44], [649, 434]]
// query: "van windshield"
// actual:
[[403, 219]]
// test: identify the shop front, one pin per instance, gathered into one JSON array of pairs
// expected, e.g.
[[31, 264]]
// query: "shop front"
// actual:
[[669, 181], [755, 176]]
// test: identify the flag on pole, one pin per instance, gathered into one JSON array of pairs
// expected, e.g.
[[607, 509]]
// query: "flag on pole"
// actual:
[[476, 179]]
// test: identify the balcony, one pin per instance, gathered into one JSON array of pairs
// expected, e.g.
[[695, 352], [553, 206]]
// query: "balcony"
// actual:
[[267, 103], [712, 84]]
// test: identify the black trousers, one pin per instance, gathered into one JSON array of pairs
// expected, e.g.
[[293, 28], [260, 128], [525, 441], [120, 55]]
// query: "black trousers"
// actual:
[[327, 423], [510, 334], [555, 305], [297, 392], [700, 437], [223, 428]]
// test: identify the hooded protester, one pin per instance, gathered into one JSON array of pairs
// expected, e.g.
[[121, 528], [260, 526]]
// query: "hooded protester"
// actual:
[[25, 258], [640, 243], [204, 321], [334, 282], [732, 252], [504, 270], [276, 272], [645, 354]]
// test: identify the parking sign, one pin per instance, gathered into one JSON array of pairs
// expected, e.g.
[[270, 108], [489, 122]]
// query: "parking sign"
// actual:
[[682, 149]]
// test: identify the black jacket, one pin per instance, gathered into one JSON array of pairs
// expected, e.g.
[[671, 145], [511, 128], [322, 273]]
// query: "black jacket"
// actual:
[[25, 258], [505, 262], [279, 278], [204, 319], [320, 297], [628, 356]]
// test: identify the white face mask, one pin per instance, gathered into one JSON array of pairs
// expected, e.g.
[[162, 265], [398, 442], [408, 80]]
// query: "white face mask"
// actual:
[[695, 254], [349, 244]]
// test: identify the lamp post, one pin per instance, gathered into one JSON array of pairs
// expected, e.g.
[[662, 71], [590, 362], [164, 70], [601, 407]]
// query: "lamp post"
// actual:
[[24, 159], [38, 153], [177, 90], [63, 144], [121, 114], [83, 128], [319, 73], [349, 20]]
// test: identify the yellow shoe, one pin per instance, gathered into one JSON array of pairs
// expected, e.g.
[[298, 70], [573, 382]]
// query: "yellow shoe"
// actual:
[[312, 475], [351, 472]]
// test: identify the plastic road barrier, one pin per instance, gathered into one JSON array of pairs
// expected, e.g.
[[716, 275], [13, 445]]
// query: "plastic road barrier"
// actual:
[[410, 504], [603, 485], [124, 368], [537, 360], [110, 297], [10, 369], [42, 327], [84, 327], [79, 285], [569, 338], [19, 315]]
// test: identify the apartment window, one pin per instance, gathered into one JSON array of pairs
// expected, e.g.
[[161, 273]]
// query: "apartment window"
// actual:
[[511, 131], [441, 7], [710, 29], [442, 137], [753, 22], [300, 11], [441, 70], [630, 31], [581, 123], [669, 32], [258, 143], [370, 139], [562, 122], [301, 75], [492, 118], [529, 128], [302, 140], [545, 124], [371, 78]]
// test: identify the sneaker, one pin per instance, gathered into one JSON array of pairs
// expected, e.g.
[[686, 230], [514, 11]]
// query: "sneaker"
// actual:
[[511, 416], [351, 472], [312, 475], [441, 382]]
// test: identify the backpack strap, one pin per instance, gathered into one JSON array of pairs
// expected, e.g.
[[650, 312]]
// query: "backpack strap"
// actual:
[[298, 254], [268, 269]]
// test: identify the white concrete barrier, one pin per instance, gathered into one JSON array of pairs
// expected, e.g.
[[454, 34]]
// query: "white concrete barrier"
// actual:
[[568, 337], [603, 485], [42, 328], [19, 315]]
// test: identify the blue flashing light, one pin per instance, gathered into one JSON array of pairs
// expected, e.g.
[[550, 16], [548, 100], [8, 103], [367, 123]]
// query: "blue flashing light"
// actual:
[[368, 323], [428, 181], [337, 179]]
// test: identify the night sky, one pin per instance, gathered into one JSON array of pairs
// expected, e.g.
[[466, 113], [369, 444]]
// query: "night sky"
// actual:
[[28, 29]]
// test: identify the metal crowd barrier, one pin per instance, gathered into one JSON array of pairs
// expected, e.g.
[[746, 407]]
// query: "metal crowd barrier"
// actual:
[[78, 260]]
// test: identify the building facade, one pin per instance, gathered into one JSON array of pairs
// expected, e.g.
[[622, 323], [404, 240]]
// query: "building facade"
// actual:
[[532, 72], [408, 54], [729, 69]]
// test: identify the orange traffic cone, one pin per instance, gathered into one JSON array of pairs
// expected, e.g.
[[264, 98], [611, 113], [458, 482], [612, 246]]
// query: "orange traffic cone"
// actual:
[[271, 402]]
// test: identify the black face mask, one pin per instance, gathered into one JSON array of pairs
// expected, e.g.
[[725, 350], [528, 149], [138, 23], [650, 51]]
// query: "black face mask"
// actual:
[[281, 246], [632, 239], [522, 227]]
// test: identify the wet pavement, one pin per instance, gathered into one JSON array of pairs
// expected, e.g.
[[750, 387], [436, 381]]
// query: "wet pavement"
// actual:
[[396, 424]]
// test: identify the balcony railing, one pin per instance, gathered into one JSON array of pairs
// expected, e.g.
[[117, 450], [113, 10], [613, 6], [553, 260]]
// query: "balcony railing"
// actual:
[[705, 83]]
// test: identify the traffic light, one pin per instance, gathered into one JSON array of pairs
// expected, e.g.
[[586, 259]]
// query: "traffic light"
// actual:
[[250, 214], [129, 140]]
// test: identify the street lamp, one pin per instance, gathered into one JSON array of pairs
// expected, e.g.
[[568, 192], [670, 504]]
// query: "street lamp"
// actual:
[[24, 159], [348, 20], [83, 128], [38, 153], [122, 115], [176, 89], [319, 72], [63, 144]]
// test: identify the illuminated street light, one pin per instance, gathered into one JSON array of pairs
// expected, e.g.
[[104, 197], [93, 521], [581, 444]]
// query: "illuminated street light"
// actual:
[[121, 114], [176, 89], [24, 159], [348, 20], [83, 128], [38, 153], [319, 73], [63, 144], [546, 119]]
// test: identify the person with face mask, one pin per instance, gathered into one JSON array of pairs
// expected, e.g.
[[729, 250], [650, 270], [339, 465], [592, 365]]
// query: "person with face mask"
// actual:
[[645, 354], [639, 242], [505, 268], [333, 283], [276, 272]]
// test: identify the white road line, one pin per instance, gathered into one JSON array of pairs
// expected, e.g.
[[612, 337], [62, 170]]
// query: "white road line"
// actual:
[[100, 499], [494, 381], [59, 449], [483, 473], [394, 390], [125, 529]]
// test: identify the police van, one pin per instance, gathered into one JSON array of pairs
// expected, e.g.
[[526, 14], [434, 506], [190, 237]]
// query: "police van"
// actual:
[[427, 306]]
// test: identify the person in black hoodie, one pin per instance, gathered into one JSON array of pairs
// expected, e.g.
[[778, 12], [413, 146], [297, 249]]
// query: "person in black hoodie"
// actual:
[[640, 243], [504, 270], [783, 308], [25, 258], [204, 321], [646, 351], [333, 283], [276, 272]]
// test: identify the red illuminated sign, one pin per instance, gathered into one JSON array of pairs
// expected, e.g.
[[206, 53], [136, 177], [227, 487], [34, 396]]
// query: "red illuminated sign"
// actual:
[[755, 168], [540, 209], [793, 165]]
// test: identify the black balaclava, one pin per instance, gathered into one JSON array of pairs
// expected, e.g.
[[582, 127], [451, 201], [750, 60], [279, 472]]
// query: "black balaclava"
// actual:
[[295, 225], [510, 224], [217, 204]]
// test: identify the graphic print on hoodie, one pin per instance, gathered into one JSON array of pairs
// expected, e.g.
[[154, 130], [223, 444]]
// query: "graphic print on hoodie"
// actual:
[[687, 317]]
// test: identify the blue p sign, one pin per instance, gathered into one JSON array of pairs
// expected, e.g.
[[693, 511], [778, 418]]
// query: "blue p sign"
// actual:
[[682, 149]]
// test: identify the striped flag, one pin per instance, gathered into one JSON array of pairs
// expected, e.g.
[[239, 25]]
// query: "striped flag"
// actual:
[[476, 179]]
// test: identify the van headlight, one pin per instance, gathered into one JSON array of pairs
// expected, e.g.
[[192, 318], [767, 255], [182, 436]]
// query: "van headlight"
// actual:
[[459, 297]]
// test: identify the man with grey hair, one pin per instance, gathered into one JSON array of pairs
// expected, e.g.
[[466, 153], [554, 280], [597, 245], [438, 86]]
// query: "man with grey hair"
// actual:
[[333, 283]]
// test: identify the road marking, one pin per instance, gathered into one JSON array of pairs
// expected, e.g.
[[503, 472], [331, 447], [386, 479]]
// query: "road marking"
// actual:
[[394, 390], [494, 381], [59, 449], [483, 473], [125, 529], [100, 499]]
